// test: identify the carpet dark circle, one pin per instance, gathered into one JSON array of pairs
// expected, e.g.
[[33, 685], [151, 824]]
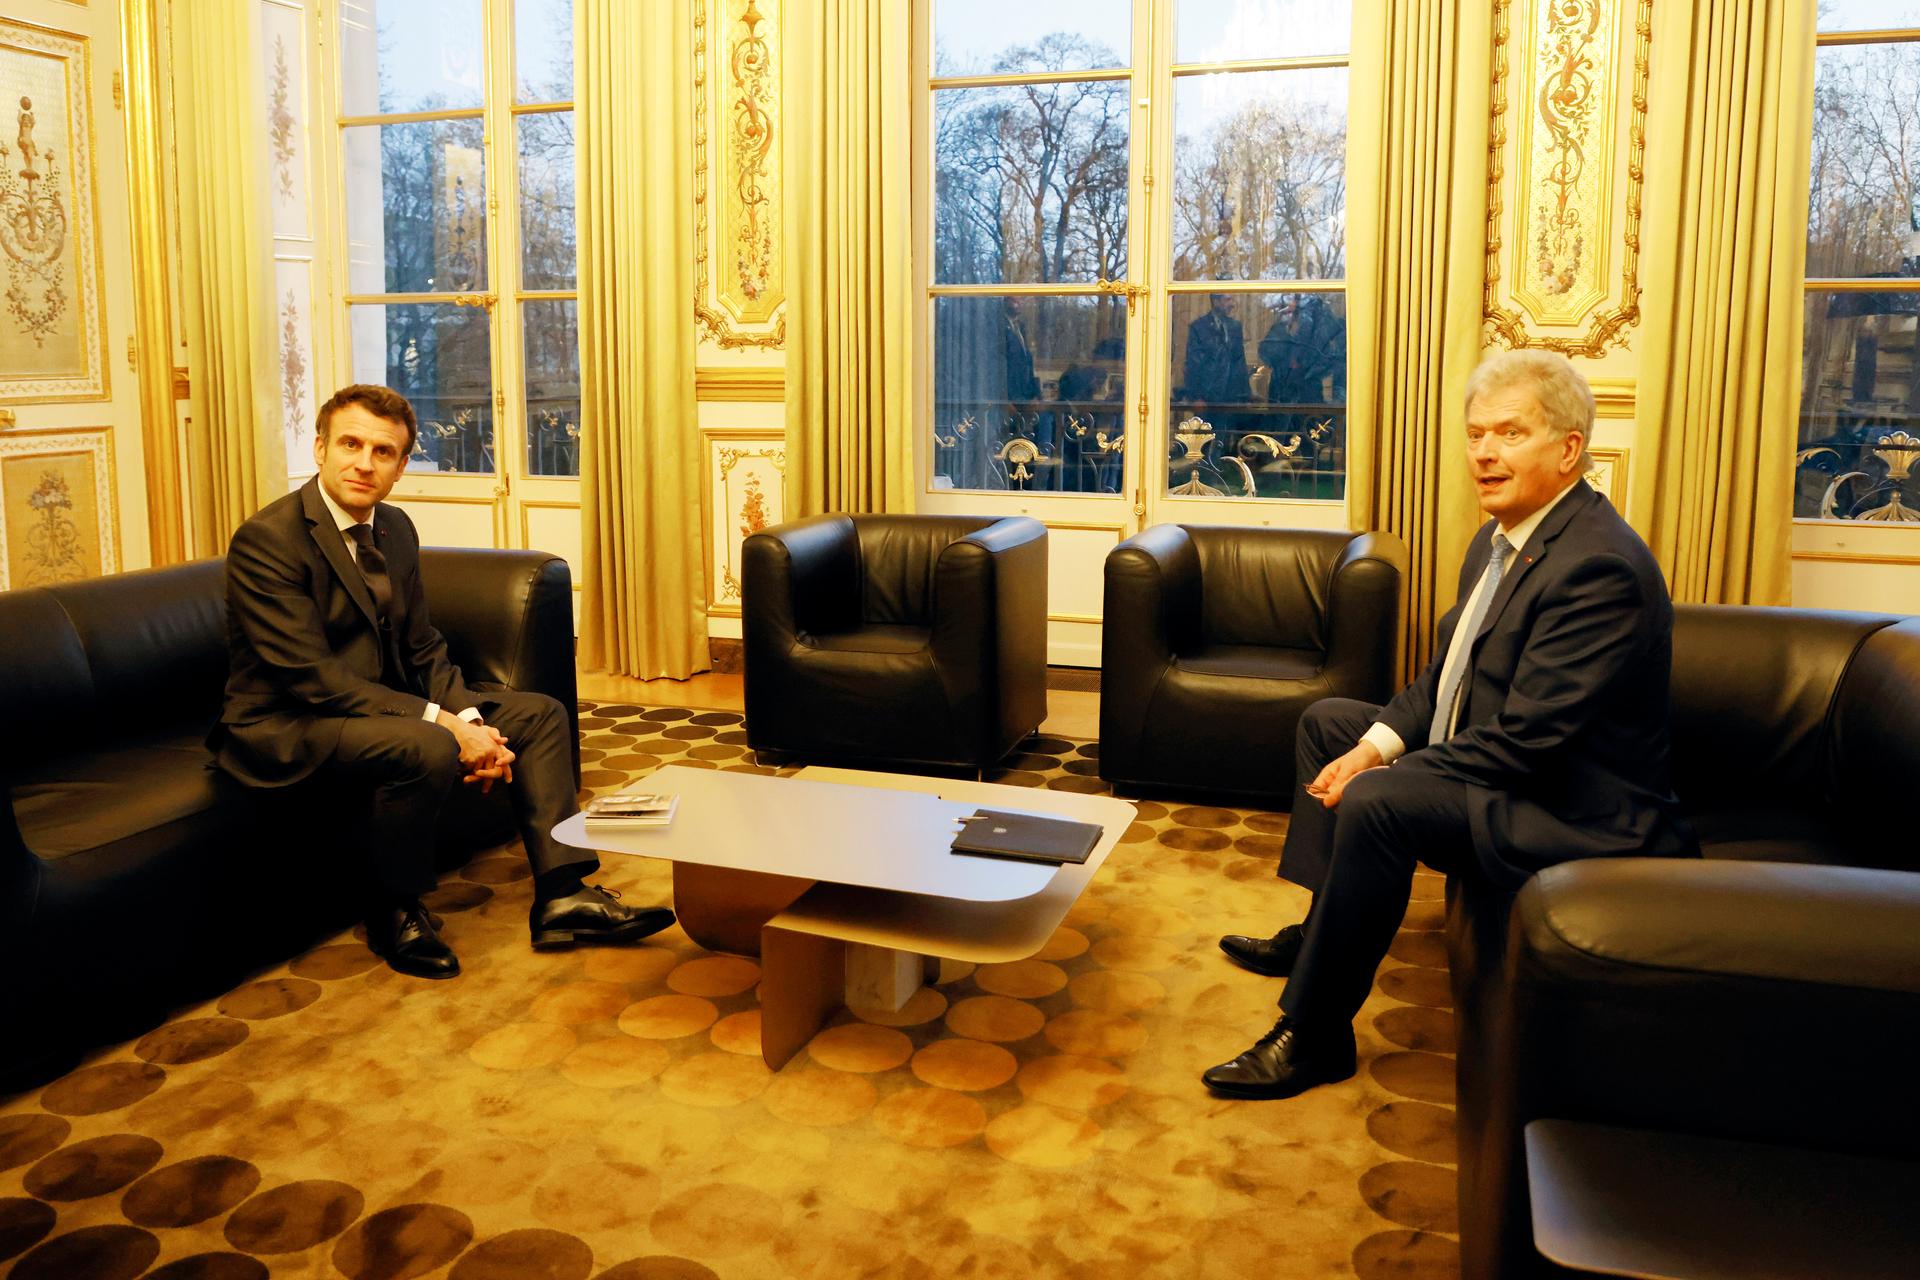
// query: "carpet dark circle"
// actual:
[[1091, 750], [595, 778], [1406, 1255], [1267, 824], [1260, 846], [1203, 815], [1419, 947], [331, 963], [405, 1241], [1025, 759], [1195, 840], [593, 724], [194, 1040], [1149, 810], [293, 1216], [457, 895], [1047, 745], [616, 710], [718, 718], [1137, 833], [659, 1267], [714, 751], [531, 1254], [192, 1108], [1080, 786], [93, 1167], [1416, 985], [1424, 1077], [1083, 768], [1425, 1030], [191, 1191], [96, 1253], [1017, 778], [212, 1266], [667, 715], [660, 746], [93, 1091], [732, 738], [621, 736], [271, 998], [1417, 1130], [24, 1139], [632, 762], [1413, 1194], [23, 1224], [698, 764], [688, 733]]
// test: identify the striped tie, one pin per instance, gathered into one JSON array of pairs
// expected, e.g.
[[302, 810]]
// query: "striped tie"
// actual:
[[1445, 705]]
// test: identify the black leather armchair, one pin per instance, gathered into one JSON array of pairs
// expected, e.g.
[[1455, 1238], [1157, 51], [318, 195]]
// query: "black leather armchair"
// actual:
[[1767, 993], [905, 639], [1217, 638], [133, 874]]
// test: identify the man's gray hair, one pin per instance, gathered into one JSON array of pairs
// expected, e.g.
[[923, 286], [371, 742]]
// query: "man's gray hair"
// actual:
[[1565, 398]]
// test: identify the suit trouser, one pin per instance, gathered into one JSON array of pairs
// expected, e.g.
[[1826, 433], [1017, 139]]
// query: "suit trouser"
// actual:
[[412, 766], [1358, 859]]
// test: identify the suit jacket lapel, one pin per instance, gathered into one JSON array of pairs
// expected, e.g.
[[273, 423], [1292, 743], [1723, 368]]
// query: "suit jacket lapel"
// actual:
[[1517, 569], [334, 547]]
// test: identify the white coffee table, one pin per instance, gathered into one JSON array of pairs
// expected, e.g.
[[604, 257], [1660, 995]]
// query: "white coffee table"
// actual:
[[842, 880]]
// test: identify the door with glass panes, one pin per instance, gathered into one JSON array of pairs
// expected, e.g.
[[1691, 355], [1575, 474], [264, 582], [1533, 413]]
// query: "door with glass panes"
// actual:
[[456, 180], [1132, 259]]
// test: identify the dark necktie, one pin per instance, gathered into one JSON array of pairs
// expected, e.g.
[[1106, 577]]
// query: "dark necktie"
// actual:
[[373, 566], [1444, 705]]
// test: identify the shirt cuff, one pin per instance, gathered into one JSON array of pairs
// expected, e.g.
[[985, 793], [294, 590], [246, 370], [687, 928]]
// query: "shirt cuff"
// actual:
[[432, 712], [1385, 741], [471, 715]]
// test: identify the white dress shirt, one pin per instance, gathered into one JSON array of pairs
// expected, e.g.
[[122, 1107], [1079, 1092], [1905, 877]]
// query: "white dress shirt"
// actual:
[[345, 523], [1384, 739]]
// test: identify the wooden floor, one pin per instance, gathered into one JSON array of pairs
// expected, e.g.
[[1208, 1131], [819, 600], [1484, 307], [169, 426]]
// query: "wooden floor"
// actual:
[[1072, 715]]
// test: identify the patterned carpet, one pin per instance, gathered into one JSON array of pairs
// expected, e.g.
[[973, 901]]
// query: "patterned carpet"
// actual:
[[604, 1114]]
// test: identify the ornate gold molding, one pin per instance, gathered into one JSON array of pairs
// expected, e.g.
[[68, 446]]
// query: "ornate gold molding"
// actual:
[[1613, 397], [1567, 108], [768, 386], [748, 215]]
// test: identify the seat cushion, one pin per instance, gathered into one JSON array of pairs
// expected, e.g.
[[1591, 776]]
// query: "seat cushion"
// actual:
[[1253, 661], [79, 803], [873, 639], [1774, 835]]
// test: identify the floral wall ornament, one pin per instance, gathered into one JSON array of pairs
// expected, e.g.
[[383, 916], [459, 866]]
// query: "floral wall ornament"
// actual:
[[281, 123], [293, 362], [58, 512], [737, 186], [33, 230], [53, 540]]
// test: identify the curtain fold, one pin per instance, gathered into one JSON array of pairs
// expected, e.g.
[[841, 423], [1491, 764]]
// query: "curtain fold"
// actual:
[[643, 590], [848, 229], [1726, 239], [1416, 265], [236, 458]]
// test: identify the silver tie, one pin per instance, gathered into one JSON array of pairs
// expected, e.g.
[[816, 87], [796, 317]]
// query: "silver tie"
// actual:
[[1443, 706]]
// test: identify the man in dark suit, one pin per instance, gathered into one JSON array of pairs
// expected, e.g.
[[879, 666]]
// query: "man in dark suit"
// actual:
[[1216, 364], [337, 671], [1539, 732]]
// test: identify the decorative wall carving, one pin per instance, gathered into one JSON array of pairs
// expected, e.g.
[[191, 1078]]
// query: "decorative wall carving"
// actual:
[[58, 516], [51, 319], [746, 478], [738, 289], [1609, 476], [1555, 126]]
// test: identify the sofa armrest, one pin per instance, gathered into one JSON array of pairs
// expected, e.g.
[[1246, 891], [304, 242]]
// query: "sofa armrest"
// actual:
[[1365, 617], [1151, 612], [508, 620], [990, 620], [800, 576]]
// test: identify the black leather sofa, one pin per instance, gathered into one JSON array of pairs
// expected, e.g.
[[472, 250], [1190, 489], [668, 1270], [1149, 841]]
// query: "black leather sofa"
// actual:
[[896, 640], [1768, 992], [134, 876], [1216, 639]]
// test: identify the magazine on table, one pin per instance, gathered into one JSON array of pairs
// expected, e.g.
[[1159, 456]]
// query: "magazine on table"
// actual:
[[631, 809]]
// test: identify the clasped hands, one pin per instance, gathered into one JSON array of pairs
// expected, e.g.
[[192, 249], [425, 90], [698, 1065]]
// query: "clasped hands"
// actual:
[[483, 751], [1331, 782]]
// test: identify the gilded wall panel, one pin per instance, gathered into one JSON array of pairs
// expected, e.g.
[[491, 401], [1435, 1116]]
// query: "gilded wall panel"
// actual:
[[1567, 148], [58, 514], [738, 253], [51, 313], [283, 61], [745, 493]]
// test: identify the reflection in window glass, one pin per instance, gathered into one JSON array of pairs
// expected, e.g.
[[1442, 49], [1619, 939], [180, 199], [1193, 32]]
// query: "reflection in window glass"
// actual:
[[547, 257], [553, 387], [1234, 30], [543, 49], [439, 357], [425, 55], [1863, 216], [416, 208], [1259, 176], [1030, 183], [1860, 408], [981, 37], [1259, 396], [1868, 15], [1028, 393]]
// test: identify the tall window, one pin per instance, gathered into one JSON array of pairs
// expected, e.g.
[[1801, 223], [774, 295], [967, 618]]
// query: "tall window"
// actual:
[[1059, 211], [456, 128], [1860, 407]]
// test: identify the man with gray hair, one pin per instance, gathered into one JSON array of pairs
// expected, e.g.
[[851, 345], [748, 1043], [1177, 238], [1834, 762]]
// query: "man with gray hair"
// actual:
[[1537, 734]]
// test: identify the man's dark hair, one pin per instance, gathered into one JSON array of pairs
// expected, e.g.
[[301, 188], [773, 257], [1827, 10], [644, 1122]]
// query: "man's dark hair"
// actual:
[[381, 402]]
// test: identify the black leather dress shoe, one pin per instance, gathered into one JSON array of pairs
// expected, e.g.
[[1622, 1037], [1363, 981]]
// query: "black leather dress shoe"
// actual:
[[592, 915], [1287, 1060], [1273, 956], [405, 938]]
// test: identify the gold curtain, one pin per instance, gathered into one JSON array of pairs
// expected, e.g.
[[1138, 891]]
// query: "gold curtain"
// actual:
[[1416, 263], [236, 454], [643, 594], [848, 231], [1726, 239]]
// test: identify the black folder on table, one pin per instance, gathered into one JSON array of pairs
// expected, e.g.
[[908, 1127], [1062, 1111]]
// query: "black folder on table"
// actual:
[[992, 833]]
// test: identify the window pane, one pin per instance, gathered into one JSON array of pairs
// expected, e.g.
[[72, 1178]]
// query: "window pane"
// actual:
[[553, 387], [1259, 395], [1860, 408], [547, 256], [1231, 30], [1030, 183], [1863, 217], [1259, 176], [437, 355], [410, 55], [543, 49], [416, 208], [1868, 15], [1028, 393], [979, 37]]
